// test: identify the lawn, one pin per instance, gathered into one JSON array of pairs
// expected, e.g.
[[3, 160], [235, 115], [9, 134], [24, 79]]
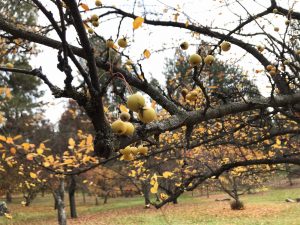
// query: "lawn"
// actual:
[[261, 209]]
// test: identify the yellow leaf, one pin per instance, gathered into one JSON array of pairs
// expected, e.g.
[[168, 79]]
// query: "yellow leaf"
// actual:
[[50, 158], [26, 146], [167, 174], [71, 143], [13, 150], [68, 161], [176, 16], [153, 190], [137, 22], [85, 181], [123, 108], [8, 216], [29, 157], [89, 140], [278, 142], [187, 23], [2, 138], [163, 196], [213, 87], [46, 164], [17, 137], [84, 6], [9, 140], [177, 184], [147, 53], [40, 151], [33, 175]]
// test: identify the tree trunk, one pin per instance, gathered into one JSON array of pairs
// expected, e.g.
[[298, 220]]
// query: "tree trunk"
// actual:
[[59, 195], [96, 200], [121, 190], [30, 197], [83, 197], [72, 189], [146, 193], [105, 197], [55, 203], [8, 197], [207, 191], [175, 201]]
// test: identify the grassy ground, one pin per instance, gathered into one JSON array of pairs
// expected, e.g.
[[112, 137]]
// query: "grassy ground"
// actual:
[[261, 209]]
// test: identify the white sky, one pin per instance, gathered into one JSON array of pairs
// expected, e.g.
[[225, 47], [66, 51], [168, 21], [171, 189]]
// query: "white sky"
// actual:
[[205, 12]]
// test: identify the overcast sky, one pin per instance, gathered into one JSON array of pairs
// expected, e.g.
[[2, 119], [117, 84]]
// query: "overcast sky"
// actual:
[[205, 12]]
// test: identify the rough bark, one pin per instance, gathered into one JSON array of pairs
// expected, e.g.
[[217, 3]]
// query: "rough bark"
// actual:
[[146, 193], [8, 196], [59, 195], [72, 189]]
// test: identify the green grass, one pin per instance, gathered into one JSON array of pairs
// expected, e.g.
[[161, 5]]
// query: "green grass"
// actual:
[[267, 208]]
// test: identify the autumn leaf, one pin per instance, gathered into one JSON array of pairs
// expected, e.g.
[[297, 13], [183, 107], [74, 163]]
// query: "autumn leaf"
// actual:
[[167, 174], [9, 140], [137, 22], [17, 137], [147, 53], [33, 175], [26, 146], [187, 23], [29, 157], [176, 17], [2, 138], [71, 143], [13, 150], [163, 196], [84, 6], [154, 189], [68, 161], [8, 216], [40, 151], [46, 164]]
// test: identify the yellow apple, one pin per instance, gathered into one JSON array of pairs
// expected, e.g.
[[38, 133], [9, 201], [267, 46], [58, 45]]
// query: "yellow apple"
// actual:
[[195, 59], [118, 127], [122, 42], [147, 114], [184, 45], [225, 46], [129, 129], [135, 102], [209, 59]]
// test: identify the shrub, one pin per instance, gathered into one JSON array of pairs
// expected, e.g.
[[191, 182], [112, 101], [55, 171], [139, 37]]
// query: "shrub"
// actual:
[[237, 205]]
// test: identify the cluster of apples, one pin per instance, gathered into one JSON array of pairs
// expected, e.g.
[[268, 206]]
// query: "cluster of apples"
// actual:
[[122, 42], [122, 126], [272, 70], [136, 103], [94, 20], [129, 152], [196, 59], [190, 95]]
